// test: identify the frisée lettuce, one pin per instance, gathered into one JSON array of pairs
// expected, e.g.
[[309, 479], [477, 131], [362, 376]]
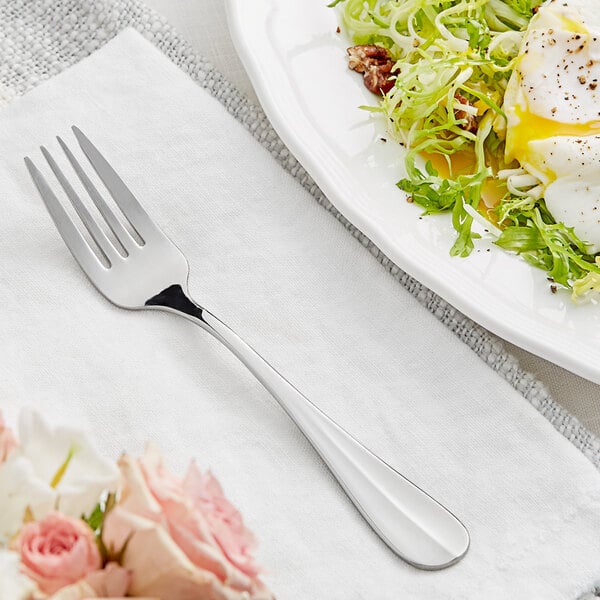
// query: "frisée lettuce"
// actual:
[[452, 63]]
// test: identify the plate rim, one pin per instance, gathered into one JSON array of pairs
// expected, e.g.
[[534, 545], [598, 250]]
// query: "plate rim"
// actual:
[[555, 353]]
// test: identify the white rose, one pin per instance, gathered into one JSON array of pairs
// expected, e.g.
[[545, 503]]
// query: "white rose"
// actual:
[[13, 584], [54, 468]]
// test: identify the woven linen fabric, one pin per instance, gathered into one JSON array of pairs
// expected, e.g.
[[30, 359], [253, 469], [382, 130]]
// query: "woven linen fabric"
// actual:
[[265, 258], [40, 38]]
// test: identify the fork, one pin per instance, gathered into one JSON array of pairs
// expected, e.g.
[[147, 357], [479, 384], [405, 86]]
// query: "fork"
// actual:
[[138, 267]]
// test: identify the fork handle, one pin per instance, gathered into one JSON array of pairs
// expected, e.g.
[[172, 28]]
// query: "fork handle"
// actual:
[[419, 529]]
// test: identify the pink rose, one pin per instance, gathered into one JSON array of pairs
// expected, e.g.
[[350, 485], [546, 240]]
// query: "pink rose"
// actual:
[[57, 551], [184, 539], [8, 440], [205, 494]]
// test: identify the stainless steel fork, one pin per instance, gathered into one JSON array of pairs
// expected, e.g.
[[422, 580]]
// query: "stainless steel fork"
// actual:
[[142, 269]]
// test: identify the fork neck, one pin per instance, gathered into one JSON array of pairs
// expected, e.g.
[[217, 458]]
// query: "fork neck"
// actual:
[[175, 298]]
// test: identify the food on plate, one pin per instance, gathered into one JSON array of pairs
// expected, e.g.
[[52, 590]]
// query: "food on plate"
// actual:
[[376, 65], [553, 115], [498, 105]]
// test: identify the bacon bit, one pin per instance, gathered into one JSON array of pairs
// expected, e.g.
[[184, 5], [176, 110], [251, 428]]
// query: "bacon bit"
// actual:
[[470, 120], [376, 65]]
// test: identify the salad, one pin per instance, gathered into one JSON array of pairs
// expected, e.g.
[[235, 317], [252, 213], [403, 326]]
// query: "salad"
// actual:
[[462, 89]]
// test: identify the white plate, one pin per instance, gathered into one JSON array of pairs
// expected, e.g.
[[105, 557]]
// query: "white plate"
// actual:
[[297, 64]]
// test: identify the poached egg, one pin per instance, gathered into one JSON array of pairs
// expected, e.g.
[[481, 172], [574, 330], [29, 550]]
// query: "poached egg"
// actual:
[[552, 104]]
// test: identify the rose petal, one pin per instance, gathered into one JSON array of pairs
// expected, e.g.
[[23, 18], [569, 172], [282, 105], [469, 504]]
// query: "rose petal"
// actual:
[[187, 522], [112, 581], [135, 495], [160, 568], [76, 591], [166, 538], [225, 521]]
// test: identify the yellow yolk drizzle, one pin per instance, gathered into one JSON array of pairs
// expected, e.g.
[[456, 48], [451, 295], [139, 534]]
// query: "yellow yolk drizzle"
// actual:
[[463, 163], [552, 105], [533, 127], [525, 123], [572, 25]]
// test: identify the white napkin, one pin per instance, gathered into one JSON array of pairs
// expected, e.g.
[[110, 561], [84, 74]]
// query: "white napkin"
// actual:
[[268, 260]]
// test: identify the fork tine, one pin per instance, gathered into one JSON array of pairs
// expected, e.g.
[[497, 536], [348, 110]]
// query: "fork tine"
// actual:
[[122, 235], [97, 234], [72, 237], [121, 194]]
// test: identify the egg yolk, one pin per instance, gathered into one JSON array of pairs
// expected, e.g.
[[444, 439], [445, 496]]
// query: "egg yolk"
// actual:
[[528, 126]]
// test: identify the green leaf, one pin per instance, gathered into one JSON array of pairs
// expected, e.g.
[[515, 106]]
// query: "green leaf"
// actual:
[[521, 239], [523, 7], [96, 518], [429, 169], [587, 286], [479, 35], [462, 221], [546, 244]]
